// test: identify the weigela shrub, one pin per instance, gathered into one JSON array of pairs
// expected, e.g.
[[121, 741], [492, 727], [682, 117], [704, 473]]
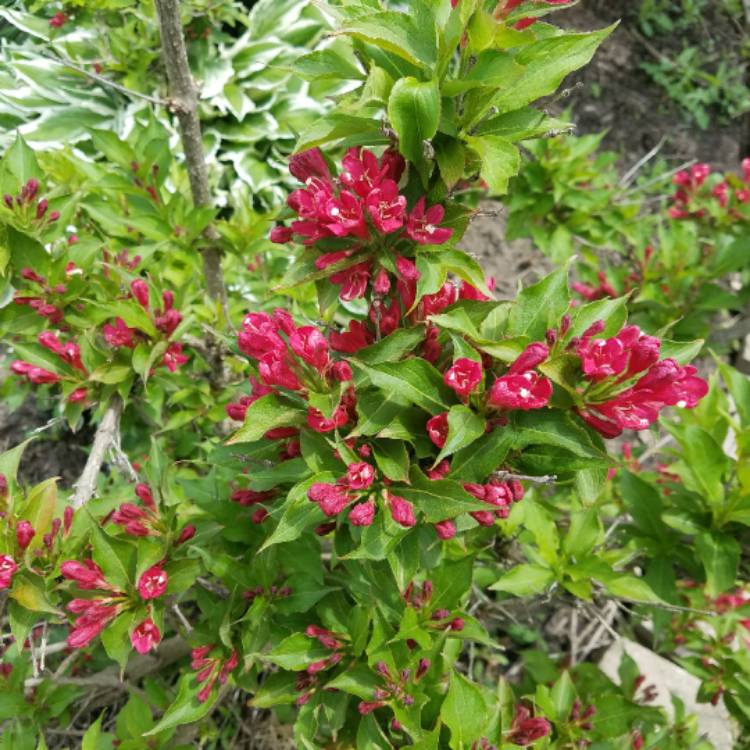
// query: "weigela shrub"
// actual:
[[398, 423]]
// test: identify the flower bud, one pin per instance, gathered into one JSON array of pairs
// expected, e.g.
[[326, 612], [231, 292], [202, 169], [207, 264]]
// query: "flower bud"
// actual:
[[24, 534]]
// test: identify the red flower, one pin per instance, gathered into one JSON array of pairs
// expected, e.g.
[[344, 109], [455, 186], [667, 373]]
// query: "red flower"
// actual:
[[120, 334], [259, 335], [437, 429], [433, 304], [36, 375], [362, 514], [360, 475], [532, 356], [320, 423], [331, 498], [87, 574], [464, 376], [362, 173], [526, 391], [527, 729], [310, 345], [274, 370], [353, 280], [8, 569], [96, 614], [446, 529], [173, 357], [139, 290], [356, 337], [422, 226], [58, 20], [307, 164], [343, 216], [145, 637], [24, 534], [393, 164], [402, 511], [144, 494], [153, 583], [386, 207]]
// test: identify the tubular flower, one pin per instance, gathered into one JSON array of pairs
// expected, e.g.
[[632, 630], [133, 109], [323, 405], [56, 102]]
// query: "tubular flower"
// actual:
[[422, 226], [464, 376], [526, 391], [153, 583], [8, 568], [617, 403], [146, 636]]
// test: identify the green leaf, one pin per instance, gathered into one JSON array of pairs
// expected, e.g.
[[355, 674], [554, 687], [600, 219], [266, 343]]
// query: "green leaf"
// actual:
[[95, 739], [296, 652], [115, 557], [629, 587], [584, 533], [555, 428], [720, 555], [267, 413], [682, 351], [451, 158], [408, 38], [358, 680], [415, 380], [464, 427], [464, 711], [547, 62], [336, 61], [739, 386], [299, 513], [480, 459], [563, 695], [525, 580], [500, 160], [277, 689], [393, 347], [21, 162], [116, 638], [644, 504], [541, 306], [438, 499], [414, 112], [186, 708], [392, 459], [29, 591], [703, 464]]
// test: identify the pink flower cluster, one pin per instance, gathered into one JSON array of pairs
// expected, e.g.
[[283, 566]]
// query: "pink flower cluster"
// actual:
[[362, 203], [690, 196], [166, 319], [28, 206], [294, 358], [520, 388], [356, 485], [45, 301], [93, 615], [69, 353], [211, 668], [139, 520], [527, 728], [627, 384]]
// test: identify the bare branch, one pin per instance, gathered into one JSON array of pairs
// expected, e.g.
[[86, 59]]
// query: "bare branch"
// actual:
[[184, 97], [62, 60], [106, 435], [630, 175], [506, 476]]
